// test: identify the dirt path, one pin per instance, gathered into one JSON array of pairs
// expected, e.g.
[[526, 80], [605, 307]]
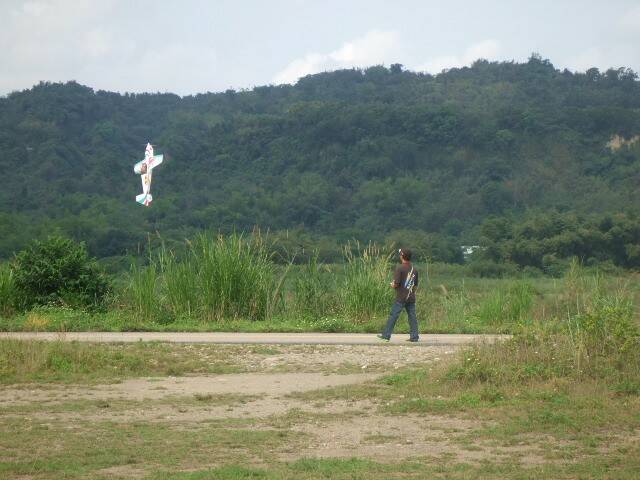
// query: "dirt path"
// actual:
[[254, 338], [282, 389]]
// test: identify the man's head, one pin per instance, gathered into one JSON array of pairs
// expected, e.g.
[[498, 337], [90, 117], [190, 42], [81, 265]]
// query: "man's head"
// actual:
[[405, 254]]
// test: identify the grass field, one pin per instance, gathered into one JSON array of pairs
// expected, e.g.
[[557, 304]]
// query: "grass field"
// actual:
[[158, 411], [561, 400]]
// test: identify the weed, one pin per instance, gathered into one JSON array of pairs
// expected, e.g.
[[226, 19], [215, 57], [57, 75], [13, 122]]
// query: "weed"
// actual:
[[365, 291], [180, 282], [7, 291], [507, 306], [143, 290], [315, 290]]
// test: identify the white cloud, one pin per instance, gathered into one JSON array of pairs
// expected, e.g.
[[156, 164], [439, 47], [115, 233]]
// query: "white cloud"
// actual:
[[613, 56], [617, 48], [34, 8], [51, 40], [487, 49], [375, 47], [165, 68], [591, 57], [61, 40], [630, 20]]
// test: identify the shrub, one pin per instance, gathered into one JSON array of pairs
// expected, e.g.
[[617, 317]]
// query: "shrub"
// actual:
[[490, 269], [57, 271], [598, 339], [604, 331]]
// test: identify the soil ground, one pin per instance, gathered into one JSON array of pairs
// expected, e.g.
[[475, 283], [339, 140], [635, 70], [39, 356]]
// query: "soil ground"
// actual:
[[280, 389]]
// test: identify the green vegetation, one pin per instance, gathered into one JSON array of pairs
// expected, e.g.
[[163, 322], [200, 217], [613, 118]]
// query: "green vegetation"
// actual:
[[536, 167], [28, 361], [232, 283], [312, 289], [380, 154], [234, 276], [365, 291], [559, 400], [531, 165], [546, 243], [218, 278], [7, 291], [54, 271]]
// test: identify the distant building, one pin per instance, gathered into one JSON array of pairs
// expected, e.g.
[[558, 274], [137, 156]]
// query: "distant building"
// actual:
[[467, 250]]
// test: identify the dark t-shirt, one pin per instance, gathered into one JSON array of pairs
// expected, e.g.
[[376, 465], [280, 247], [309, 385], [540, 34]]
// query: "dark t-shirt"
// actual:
[[403, 294]]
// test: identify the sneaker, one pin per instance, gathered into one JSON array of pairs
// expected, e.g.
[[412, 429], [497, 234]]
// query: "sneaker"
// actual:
[[411, 340], [382, 337]]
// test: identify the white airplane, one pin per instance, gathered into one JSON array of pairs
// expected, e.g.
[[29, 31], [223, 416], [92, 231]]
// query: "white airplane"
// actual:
[[144, 168]]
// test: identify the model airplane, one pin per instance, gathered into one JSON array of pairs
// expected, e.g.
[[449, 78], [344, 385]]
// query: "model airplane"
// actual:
[[145, 168]]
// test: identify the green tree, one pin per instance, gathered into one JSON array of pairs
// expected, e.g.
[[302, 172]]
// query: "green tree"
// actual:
[[59, 271]]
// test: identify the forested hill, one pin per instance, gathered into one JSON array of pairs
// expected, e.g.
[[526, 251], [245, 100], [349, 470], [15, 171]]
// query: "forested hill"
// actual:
[[349, 154]]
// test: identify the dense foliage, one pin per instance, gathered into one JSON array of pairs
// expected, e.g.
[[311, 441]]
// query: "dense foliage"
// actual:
[[57, 271], [375, 154], [545, 242]]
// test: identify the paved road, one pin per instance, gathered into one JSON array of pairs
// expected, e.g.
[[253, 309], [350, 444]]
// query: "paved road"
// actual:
[[253, 338]]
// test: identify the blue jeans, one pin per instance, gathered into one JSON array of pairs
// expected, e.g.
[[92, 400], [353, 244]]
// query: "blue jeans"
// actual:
[[396, 309]]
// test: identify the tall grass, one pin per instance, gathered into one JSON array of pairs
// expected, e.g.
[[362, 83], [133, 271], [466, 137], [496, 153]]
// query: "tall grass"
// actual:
[[507, 306], [180, 284], [595, 335], [314, 290], [236, 277], [142, 291], [365, 291], [219, 277], [600, 323], [456, 306], [7, 291]]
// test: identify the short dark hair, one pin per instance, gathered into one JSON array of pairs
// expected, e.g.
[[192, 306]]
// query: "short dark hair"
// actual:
[[406, 253]]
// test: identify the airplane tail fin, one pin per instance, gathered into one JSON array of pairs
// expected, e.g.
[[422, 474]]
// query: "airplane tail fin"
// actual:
[[144, 199]]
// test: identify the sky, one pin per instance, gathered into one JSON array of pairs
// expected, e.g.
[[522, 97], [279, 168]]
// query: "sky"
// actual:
[[196, 46]]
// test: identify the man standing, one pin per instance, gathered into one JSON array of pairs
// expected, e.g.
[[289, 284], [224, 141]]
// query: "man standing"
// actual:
[[405, 282]]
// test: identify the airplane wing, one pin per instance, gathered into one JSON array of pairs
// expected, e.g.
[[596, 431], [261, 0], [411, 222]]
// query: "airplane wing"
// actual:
[[151, 162], [137, 168], [157, 160]]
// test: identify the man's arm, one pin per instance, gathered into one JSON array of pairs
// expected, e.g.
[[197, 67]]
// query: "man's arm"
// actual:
[[396, 278]]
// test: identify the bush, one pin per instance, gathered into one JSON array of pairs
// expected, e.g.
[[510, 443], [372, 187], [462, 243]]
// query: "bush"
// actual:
[[605, 330], [57, 271], [598, 339], [490, 269]]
